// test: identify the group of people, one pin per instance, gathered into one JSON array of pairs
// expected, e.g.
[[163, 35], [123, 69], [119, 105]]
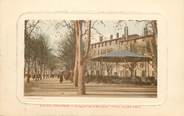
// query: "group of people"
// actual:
[[64, 75]]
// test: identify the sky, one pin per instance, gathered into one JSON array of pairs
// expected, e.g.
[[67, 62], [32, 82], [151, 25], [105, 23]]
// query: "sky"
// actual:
[[48, 28]]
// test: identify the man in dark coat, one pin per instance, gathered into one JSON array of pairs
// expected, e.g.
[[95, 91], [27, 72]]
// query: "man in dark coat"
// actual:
[[61, 77]]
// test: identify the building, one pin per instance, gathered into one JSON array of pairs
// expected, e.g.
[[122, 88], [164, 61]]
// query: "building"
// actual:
[[144, 45]]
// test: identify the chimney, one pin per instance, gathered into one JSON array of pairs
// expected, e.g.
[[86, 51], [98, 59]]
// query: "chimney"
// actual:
[[117, 35], [111, 36], [126, 32], [101, 38], [145, 31]]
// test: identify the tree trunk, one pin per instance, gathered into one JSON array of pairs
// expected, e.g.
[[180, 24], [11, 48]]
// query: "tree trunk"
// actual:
[[75, 75], [80, 68], [81, 80], [44, 71], [35, 67], [28, 71], [154, 45], [25, 67]]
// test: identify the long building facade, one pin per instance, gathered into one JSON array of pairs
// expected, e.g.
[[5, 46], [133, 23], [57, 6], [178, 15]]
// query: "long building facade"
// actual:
[[144, 45]]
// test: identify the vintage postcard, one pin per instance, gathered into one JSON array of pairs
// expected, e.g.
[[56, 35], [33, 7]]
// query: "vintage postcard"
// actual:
[[89, 58]]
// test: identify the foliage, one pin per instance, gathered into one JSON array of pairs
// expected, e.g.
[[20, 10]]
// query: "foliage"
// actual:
[[37, 51], [66, 51]]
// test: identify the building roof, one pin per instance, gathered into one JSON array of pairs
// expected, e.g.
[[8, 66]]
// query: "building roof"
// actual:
[[137, 38], [122, 39], [123, 53], [122, 56]]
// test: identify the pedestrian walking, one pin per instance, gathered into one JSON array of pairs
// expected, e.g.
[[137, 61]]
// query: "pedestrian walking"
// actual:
[[61, 77]]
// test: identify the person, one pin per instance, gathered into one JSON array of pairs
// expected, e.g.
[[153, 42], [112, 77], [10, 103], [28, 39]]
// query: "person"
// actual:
[[61, 77]]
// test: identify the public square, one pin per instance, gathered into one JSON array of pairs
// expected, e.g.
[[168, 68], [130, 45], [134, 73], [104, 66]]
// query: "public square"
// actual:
[[52, 87]]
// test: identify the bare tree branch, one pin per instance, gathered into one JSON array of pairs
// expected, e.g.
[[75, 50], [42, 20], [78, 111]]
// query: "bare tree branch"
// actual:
[[33, 27], [89, 39], [68, 25], [96, 31]]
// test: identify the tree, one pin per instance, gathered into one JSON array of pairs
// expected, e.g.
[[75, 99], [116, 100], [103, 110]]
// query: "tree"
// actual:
[[81, 57], [78, 62], [83, 40], [29, 27], [82, 35], [38, 55], [68, 46], [66, 51]]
